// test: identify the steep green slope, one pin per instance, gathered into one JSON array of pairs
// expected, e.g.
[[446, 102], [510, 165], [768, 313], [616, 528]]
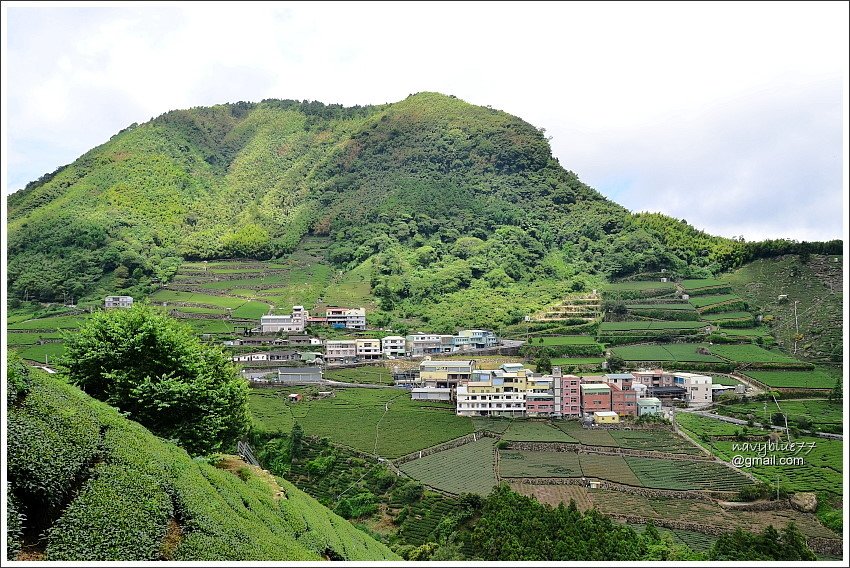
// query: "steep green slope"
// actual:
[[87, 484], [814, 282], [441, 197]]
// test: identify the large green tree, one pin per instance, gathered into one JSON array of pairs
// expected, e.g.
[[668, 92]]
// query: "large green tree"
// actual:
[[153, 368]]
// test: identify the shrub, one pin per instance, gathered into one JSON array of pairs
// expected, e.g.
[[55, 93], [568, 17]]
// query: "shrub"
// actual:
[[154, 368]]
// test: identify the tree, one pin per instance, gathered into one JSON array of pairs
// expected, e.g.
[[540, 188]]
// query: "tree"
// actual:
[[296, 441], [616, 363], [544, 363], [837, 392], [153, 368]]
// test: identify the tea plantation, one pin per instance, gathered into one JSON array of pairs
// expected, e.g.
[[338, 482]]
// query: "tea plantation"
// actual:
[[103, 488]]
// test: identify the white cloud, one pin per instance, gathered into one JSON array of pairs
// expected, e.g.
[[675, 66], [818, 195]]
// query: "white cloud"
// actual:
[[700, 110]]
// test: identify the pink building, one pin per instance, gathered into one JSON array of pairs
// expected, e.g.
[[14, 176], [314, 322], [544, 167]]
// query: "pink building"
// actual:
[[567, 400]]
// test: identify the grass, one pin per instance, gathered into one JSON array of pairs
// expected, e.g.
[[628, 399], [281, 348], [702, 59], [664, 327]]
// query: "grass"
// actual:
[[195, 310], [195, 298], [37, 353], [586, 436], [14, 339], [697, 284], [251, 310], [668, 307], [648, 325], [727, 316], [533, 431], [354, 415], [464, 469], [684, 352], [704, 301], [373, 375], [750, 354], [795, 379], [819, 412], [572, 361], [57, 322], [639, 286], [724, 380], [495, 425], [567, 340]]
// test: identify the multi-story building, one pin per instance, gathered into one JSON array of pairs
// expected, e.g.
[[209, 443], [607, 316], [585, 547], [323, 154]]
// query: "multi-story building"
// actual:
[[653, 378], [445, 374], [595, 397], [567, 395], [539, 396], [118, 302], [393, 346], [292, 323], [421, 344], [697, 387], [623, 401], [341, 350], [368, 349], [479, 338], [346, 318], [622, 381], [501, 392]]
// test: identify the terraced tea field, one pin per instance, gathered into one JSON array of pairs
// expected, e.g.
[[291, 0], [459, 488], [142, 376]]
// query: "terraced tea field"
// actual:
[[823, 413], [816, 379], [529, 431], [516, 463], [618, 326], [703, 286], [354, 416], [654, 441], [565, 340], [464, 469], [713, 300], [683, 352], [684, 475], [750, 354]]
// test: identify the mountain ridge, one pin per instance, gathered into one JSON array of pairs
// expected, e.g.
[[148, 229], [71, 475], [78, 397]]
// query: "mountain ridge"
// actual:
[[428, 189]]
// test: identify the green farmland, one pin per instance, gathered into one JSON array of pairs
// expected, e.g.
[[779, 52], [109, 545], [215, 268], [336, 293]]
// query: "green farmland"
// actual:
[[641, 285], [372, 374], [822, 413], [750, 354], [635, 471], [464, 469], [566, 340], [648, 325], [682, 352], [705, 301], [534, 431], [354, 416], [816, 379], [667, 307]]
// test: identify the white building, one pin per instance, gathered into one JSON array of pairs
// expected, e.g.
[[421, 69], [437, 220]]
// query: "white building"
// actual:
[[118, 302], [393, 346], [251, 357], [292, 323], [340, 350], [348, 318], [368, 349], [479, 338], [431, 393], [697, 387], [420, 344]]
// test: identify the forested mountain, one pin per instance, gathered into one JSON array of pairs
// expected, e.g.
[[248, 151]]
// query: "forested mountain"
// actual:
[[431, 197]]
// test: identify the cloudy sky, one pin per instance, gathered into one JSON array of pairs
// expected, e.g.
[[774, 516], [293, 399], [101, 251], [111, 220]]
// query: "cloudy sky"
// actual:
[[727, 115]]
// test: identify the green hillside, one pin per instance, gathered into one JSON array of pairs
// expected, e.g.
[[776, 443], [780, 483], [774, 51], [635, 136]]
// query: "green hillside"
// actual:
[[815, 283], [88, 484]]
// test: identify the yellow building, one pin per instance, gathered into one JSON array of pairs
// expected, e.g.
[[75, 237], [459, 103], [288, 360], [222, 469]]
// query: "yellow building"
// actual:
[[501, 392], [445, 374], [606, 417]]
